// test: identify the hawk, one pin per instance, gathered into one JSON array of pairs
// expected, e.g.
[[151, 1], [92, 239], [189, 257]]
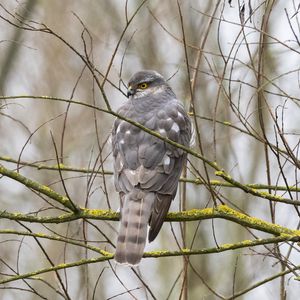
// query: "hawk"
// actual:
[[147, 169]]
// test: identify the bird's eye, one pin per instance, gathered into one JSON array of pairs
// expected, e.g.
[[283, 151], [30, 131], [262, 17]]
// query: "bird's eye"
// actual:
[[143, 85]]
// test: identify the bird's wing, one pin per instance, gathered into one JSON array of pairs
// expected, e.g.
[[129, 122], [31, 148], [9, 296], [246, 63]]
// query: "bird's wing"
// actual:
[[173, 123]]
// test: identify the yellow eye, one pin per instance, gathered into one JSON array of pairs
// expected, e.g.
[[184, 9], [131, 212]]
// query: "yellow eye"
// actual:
[[143, 85]]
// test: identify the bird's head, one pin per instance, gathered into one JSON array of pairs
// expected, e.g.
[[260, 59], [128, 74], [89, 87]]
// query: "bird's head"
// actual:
[[144, 83]]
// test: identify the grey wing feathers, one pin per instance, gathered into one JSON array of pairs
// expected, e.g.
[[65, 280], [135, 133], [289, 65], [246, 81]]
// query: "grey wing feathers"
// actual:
[[160, 209], [174, 124]]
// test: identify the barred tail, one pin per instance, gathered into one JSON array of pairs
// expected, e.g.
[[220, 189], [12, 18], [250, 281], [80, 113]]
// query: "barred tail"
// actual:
[[135, 214]]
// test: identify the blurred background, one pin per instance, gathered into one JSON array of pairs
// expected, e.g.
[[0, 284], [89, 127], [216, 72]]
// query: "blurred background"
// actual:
[[236, 63]]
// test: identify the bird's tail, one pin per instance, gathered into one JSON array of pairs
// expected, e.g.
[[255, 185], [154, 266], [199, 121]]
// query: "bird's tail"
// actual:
[[135, 214]]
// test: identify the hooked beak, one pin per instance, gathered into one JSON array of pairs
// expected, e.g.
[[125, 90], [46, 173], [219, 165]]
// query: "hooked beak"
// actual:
[[130, 91]]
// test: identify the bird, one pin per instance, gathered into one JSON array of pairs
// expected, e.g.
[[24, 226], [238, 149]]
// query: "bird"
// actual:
[[147, 169]]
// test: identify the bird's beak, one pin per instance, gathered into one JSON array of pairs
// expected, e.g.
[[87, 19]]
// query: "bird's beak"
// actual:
[[130, 91]]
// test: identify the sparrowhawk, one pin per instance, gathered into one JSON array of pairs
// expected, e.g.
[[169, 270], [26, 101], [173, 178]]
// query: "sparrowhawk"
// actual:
[[147, 169]]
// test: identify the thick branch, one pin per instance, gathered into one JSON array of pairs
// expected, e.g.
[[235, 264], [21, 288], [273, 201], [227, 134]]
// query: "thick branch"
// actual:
[[252, 191], [220, 212], [66, 202]]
